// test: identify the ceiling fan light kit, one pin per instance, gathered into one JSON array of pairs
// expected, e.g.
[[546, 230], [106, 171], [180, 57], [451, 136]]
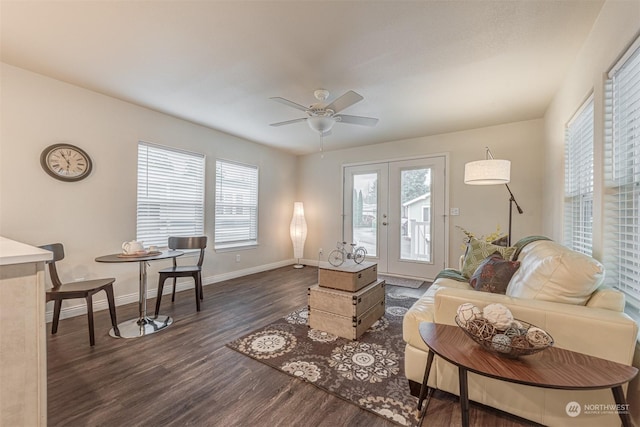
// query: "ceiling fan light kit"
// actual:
[[321, 124], [321, 117]]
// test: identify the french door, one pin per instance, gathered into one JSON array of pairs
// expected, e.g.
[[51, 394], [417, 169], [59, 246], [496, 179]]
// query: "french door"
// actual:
[[396, 210]]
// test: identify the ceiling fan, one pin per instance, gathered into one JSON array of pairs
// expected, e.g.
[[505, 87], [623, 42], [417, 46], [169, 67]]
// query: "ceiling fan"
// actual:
[[322, 117]]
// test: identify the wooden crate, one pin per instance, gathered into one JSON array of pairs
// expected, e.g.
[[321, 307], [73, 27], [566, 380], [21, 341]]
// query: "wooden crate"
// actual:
[[348, 277], [344, 326], [343, 303]]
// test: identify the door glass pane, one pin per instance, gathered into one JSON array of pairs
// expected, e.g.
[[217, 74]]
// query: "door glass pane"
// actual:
[[365, 211], [415, 213]]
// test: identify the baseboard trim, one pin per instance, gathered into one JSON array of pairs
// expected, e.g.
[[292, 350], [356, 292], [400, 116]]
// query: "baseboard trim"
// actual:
[[186, 284]]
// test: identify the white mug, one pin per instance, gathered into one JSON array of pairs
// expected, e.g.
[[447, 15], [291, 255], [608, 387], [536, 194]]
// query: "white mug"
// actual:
[[132, 247], [153, 248]]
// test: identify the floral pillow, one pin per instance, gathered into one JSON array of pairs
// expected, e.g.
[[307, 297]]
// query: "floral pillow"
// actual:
[[478, 251], [493, 274]]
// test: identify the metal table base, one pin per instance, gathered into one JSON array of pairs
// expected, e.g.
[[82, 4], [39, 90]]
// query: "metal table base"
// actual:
[[135, 328]]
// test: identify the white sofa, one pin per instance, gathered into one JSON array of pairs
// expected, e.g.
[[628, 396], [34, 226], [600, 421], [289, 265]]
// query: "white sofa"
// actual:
[[556, 289]]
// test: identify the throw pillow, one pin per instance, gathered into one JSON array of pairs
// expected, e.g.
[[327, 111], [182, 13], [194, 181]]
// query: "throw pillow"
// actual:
[[477, 251], [493, 274]]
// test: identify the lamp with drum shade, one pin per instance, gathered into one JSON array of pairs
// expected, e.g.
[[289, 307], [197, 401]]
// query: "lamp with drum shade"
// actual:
[[492, 172]]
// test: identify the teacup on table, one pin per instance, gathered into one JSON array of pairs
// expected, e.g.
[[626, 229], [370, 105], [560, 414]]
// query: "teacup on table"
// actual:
[[133, 247]]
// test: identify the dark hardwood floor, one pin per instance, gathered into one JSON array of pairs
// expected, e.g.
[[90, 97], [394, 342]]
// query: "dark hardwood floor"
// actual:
[[185, 375]]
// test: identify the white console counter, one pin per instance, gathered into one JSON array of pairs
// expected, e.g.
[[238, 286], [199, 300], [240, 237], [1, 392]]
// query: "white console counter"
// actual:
[[23, 345], [12, 252]]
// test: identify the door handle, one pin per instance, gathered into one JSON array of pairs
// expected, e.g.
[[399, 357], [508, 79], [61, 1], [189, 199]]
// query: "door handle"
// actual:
[[384, 223]]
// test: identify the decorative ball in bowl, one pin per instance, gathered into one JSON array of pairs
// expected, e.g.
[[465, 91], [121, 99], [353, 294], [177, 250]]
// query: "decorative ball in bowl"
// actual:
[[503, 335]]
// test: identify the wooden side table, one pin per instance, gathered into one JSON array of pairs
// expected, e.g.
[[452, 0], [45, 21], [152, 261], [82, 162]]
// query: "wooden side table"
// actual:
[[551, 368]]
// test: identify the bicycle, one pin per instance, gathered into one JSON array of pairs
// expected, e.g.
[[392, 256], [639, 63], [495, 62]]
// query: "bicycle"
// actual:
[[338, 256]]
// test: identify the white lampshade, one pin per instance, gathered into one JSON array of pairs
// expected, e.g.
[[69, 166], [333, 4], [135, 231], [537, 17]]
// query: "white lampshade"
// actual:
[[321, 124], [298, 231], [487, 172]]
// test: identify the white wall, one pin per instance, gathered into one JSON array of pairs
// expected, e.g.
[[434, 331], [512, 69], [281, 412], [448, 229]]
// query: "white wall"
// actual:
[[615, 29], [482, 208], [617, 26], [94, 216]]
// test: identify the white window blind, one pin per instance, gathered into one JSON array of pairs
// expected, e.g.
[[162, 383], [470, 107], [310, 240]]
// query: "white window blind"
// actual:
[[236, 211], [170, 194], [578, 189], [622, 176]]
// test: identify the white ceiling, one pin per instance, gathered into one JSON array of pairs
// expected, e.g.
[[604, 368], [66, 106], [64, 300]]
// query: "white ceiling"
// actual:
[[423, 67]]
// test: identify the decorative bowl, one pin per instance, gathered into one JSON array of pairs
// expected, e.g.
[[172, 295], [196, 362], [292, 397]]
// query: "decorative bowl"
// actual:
[[520, 339]]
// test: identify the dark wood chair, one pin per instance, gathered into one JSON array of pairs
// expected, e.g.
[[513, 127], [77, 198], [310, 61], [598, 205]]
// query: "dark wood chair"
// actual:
[[83, 289], [195, 271]]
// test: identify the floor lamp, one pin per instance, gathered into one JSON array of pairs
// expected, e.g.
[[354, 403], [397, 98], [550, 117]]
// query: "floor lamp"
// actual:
[[492, 172], [298, 232]]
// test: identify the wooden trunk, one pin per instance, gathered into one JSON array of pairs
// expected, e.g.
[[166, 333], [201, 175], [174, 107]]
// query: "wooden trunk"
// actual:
[[344, 326], [343, 313], [348, 277], [349, 304]]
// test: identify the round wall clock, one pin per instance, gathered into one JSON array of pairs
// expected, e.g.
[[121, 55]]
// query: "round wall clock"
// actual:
[[66, 162]]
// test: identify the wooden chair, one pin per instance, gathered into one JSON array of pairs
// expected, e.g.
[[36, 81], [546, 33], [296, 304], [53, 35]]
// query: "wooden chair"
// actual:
[[195, 271], [83, 289]]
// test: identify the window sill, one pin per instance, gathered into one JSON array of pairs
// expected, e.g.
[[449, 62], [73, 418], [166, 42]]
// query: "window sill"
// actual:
[[236, 247]]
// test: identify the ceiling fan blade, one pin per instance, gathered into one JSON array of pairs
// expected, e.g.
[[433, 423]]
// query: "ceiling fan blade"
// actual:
[[288, 122], [290, 103], [356, 120], [346, 100]]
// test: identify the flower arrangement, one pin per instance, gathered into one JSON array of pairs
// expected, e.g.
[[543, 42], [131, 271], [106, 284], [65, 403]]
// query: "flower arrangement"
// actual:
[[489, 238]]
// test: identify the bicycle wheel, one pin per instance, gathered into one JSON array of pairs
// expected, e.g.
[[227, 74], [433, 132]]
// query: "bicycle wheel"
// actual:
[[336, 258], [359, 255]]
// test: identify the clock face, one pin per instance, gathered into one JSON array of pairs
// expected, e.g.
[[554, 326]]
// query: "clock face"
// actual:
[[66, 162]]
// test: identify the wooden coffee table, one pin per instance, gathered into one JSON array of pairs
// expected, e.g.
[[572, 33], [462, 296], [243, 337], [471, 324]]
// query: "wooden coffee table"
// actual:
[[554, 367]]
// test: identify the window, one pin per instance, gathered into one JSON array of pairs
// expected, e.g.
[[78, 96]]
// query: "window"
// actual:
[[426, 214], [578, 188], [236, 222], [170, 194], [622, 176]]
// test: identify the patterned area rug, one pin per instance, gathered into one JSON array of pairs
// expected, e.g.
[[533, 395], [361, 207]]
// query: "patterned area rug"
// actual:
[[401, 281], [368, 372]]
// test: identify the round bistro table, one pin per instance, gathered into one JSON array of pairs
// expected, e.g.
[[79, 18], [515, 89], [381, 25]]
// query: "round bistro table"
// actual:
[[553, 367], [142, 325]]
